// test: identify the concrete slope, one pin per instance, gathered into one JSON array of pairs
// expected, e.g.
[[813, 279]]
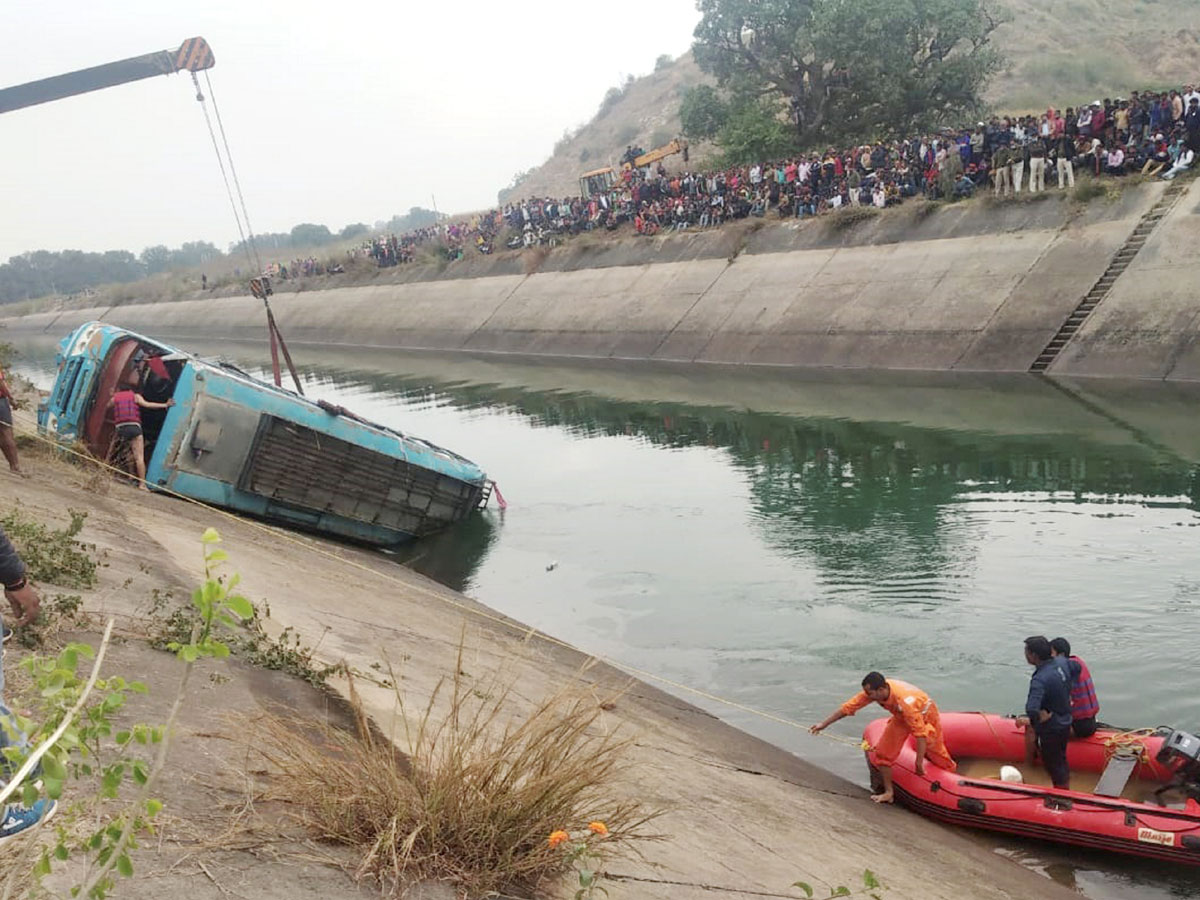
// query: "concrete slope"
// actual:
[[1149, 323], [972, 287]]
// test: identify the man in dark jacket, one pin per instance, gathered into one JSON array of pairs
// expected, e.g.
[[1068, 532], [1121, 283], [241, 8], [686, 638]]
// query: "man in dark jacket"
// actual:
[[17, 818], [1048, 708], [1063, 149], [1191, 121]]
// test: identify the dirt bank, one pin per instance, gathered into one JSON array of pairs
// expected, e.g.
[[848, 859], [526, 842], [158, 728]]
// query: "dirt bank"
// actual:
[[744, 818]]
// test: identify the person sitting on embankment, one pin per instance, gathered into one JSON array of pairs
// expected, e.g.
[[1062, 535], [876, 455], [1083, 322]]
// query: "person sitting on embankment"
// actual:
[[17, 818]]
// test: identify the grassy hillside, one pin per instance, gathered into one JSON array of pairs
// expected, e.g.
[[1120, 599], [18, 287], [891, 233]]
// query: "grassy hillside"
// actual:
[[1058, 51], [1062, 50], [646, 113]]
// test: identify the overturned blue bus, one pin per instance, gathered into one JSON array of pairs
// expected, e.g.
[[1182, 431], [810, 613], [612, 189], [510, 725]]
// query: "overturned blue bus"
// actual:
[[238, 442]]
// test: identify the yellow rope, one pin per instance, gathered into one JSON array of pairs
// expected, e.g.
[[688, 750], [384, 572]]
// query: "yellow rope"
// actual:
[[999, 743], [462, 607], [1129, 743]]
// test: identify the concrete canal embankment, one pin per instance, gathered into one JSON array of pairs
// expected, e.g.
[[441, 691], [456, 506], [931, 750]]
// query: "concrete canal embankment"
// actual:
[[742, 819], [980, 286]]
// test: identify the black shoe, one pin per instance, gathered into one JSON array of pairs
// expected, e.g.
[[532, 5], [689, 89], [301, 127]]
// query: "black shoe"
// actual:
[[7, 633]]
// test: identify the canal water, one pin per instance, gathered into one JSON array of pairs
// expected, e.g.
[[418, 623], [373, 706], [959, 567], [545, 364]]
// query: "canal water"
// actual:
[[769, 537]]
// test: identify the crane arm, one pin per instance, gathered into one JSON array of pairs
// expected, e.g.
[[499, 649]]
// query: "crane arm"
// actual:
[[193, 55]]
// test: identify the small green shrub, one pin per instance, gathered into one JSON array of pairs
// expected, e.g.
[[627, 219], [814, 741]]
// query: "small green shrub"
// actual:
[[77, 739], [52, 554], [284, 653]]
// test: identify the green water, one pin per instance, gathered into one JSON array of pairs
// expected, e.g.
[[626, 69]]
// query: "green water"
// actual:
[[768, 537]]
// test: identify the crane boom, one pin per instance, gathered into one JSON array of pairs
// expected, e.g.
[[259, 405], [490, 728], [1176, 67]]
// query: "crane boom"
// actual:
[[193, 55]]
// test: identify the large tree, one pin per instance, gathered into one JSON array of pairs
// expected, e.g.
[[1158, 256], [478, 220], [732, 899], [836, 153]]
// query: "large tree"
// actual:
[[702, 112], [852, 68]]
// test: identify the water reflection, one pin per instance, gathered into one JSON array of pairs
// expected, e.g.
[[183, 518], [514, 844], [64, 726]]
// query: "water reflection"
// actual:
[[872, 505], [453, 557], [772, 554]]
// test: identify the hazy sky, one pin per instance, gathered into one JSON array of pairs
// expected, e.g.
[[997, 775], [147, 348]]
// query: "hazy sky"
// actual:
[[335, 113]]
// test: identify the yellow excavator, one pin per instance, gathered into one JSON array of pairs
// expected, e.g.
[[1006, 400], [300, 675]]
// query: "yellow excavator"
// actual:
[[599, 180]]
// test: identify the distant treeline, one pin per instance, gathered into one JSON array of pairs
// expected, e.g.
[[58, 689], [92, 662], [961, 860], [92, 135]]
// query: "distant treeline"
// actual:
[[41, 273], [307, 236]]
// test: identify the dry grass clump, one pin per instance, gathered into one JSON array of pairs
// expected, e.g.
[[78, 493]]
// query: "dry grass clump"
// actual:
[[534, 257], [850, 216], [1087, 189], [476, 797], [97, 478]]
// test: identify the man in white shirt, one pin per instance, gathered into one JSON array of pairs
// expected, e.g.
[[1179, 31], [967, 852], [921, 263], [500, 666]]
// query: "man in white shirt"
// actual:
[[1186, 157], [1116, 161]]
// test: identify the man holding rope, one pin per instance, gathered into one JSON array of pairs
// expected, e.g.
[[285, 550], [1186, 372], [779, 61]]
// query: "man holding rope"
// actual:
[[17, 818], [912, 713]]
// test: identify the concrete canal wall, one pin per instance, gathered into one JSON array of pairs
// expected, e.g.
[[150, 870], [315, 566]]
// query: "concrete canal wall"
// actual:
[[974, 287]]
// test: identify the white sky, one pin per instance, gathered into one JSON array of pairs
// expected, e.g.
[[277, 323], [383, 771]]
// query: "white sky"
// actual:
[[334, 113]]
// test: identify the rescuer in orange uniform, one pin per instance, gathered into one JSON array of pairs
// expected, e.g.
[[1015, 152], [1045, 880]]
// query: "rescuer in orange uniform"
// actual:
[[912, 713]]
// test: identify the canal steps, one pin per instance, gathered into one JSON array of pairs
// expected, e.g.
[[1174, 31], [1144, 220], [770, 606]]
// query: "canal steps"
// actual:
[[1120, 262]]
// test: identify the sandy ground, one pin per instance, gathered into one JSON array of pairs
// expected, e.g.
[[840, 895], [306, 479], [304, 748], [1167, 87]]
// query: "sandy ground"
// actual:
[[743, 817]]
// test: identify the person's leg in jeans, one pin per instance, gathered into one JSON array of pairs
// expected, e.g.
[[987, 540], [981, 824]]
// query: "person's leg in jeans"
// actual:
[[8, 438], [16, 818], [1054, 756], [10, 734], [1084, 728]]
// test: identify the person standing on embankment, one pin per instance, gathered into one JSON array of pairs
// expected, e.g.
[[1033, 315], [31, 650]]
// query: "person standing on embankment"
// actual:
[[17, 818], [913, 712], [128, 420], [8, 438]]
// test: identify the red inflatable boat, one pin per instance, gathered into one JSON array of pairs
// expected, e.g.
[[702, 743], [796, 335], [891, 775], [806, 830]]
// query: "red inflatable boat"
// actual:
[[1131, 792]]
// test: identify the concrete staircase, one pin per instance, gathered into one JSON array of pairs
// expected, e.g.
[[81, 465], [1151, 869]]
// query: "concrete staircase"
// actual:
[[1100, 289]]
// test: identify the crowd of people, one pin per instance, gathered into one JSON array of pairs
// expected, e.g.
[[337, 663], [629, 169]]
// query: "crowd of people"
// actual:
[[1149, 133], [299, 268]]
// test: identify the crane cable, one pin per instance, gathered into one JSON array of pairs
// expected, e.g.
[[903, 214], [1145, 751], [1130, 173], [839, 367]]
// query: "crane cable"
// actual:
[[254, 262], [232, 170], [260, 284]]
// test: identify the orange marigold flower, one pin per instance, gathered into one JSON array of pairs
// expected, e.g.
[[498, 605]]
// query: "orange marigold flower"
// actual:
[[598, 828], [558, 837]]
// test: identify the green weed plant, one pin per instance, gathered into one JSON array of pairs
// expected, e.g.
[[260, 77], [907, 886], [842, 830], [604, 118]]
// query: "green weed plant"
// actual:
[[92, 746]]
